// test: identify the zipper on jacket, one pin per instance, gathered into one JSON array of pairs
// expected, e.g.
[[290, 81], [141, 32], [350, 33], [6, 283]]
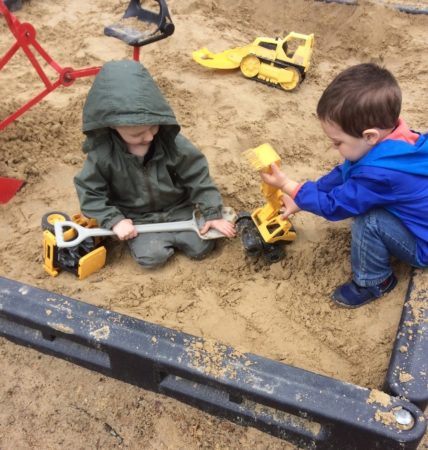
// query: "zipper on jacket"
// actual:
[[148, 186]]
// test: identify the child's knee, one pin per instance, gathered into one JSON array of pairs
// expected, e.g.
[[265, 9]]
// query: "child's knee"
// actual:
[[152, 253], [154, 260], [150, 264], [200, 252]]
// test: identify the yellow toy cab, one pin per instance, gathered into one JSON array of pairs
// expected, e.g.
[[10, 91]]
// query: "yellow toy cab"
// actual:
[[277, 62]]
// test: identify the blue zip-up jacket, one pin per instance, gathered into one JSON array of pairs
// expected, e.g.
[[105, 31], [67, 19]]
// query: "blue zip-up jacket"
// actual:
[[393, 176]]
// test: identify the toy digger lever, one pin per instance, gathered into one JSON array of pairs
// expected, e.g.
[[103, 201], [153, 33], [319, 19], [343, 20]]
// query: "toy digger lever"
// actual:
[[193, 224]]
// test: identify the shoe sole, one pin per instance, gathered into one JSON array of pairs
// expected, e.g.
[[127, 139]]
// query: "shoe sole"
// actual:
[[344, 305]]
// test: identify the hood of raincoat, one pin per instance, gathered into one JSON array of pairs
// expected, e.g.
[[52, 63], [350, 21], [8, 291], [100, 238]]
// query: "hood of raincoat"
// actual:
[[124, 93]]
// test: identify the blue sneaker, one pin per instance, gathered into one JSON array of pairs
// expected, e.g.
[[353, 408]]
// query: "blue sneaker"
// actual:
[[350, 295]]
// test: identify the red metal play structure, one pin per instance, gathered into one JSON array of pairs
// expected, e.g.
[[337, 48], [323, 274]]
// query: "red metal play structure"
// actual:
[[25, 39]]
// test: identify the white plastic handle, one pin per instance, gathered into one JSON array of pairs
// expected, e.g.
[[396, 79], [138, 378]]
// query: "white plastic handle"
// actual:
[[83, 233]]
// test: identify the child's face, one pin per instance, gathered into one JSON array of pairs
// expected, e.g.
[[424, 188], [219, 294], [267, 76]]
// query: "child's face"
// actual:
[[350, 147], [138, 134]]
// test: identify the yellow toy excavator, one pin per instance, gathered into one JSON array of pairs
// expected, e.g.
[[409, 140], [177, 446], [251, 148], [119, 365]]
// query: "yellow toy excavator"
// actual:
[[278, 62], [264, 232]]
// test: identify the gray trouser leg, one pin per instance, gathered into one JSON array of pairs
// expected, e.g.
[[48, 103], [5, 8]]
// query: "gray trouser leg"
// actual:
[[154, 249], [192, 245]]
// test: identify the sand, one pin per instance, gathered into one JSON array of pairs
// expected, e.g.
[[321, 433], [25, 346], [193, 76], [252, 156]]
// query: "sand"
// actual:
[[281, 311]]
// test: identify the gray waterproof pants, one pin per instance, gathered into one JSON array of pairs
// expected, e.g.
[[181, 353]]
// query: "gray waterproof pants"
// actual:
[[154, 249]]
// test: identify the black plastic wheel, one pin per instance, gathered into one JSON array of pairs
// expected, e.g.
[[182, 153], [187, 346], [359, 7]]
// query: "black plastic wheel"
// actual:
[[250, 236], [253, 242], [273, 253], [49, 219]]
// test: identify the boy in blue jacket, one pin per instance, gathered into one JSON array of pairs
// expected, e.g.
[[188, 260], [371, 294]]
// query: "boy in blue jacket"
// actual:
[[383, 181]]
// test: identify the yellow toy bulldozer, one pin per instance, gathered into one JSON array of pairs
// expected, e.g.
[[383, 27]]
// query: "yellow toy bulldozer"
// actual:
[[82, 259], [277, 62]]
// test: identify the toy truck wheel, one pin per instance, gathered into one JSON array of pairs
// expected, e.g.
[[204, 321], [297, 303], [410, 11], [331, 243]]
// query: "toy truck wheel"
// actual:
[[273, 253], [250, 66], [49, 219], [295, 79]]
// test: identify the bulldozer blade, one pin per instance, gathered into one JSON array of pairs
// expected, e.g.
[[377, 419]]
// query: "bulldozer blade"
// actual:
[[229, 59]]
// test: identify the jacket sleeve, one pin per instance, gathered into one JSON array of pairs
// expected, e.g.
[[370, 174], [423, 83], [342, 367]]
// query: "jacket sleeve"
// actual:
[[93, 192], [192, 170], [331, 180], [357, 195]]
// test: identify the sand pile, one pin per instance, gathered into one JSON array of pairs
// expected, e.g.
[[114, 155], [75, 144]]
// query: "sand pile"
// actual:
[[281, 311]]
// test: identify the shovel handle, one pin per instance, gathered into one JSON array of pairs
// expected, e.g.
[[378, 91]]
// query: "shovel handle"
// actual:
[[83, 233]]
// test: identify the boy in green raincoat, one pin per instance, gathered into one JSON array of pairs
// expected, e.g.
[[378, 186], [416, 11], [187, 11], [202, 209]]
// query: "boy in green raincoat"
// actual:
[[140, 169]]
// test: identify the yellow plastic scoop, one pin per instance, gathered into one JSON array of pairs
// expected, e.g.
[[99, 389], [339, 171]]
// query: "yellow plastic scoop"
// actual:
[[229, 59], [262, 157]]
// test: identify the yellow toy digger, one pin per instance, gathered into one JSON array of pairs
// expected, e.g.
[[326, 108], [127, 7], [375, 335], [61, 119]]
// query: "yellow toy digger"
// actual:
[[277, 62], [264, 232], [83, 259]]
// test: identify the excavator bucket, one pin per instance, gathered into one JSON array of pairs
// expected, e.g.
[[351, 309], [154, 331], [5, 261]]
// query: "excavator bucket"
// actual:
[[229, 59]]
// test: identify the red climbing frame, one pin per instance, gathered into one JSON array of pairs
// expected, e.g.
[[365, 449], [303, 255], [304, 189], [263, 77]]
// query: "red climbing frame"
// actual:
[[25, 35]]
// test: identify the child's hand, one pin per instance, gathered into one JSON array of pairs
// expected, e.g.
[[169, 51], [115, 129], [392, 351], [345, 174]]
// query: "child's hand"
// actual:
[[278, 179], [275, 177], [290, 207], [222, 225], [125, 230]]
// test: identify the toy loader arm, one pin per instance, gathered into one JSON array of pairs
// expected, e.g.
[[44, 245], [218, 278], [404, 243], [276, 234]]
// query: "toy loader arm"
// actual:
[[273, 195]]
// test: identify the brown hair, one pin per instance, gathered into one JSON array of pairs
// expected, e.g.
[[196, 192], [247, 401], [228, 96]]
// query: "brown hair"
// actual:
[[361, 97]]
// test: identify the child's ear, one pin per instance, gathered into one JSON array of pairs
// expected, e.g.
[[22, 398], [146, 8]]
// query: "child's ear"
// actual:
[[371, 136]]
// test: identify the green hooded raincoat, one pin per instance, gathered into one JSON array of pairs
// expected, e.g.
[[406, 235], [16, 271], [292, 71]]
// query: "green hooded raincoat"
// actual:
[[114, 184]]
